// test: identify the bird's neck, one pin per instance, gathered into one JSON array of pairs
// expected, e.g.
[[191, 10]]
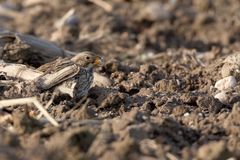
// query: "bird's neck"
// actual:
[[90, 68]]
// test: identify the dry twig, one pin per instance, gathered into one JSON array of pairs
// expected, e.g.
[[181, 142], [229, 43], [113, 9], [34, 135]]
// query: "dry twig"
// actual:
[[29, 100], [106, 6], [5, 12], [23, 72], [171, 156], [63, 20]]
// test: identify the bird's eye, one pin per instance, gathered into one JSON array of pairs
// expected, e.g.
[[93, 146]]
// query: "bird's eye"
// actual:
[[87, 57]]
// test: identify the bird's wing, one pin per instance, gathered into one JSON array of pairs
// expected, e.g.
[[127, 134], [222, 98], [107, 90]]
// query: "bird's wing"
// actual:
[[56, 74], [51, 65]]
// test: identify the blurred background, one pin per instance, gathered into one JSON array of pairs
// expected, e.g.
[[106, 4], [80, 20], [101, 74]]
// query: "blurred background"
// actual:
[[126, 29]]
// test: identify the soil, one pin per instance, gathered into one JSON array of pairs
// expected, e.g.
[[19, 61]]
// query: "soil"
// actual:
[[163, 58]]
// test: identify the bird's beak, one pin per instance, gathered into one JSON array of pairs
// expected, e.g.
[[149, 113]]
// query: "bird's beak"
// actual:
[[98, 61]]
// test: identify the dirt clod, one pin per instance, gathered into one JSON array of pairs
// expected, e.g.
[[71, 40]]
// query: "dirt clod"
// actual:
[[156, 97]]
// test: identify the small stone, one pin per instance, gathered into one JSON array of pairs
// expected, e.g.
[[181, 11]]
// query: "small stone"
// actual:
[[222, 97], [73, 20], [100, 81], [186, 114], [226, 83]]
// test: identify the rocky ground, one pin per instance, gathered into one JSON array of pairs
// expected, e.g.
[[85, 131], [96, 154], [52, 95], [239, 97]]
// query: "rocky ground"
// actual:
[[163, 58]]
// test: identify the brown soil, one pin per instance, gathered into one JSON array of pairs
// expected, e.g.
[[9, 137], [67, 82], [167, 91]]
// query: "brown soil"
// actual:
[[162, 59]]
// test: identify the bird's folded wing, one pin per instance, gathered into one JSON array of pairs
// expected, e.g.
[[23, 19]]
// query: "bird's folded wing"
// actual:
[[51, 79], [54, 65]]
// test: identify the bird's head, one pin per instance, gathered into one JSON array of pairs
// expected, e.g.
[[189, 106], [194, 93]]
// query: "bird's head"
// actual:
[[86, 59]]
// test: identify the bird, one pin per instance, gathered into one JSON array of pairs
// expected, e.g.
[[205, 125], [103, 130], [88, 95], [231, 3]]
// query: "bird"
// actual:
[[72, 75]]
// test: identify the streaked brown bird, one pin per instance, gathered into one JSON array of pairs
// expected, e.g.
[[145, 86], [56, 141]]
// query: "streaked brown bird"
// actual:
[[72, 76]]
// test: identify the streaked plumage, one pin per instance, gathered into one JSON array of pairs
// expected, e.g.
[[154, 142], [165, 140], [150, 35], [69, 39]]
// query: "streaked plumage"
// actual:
[[72, 76]]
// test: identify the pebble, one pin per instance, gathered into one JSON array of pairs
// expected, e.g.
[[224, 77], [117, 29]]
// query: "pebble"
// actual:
[[222, 97], [186, 114], [226, 83], [101, 81]]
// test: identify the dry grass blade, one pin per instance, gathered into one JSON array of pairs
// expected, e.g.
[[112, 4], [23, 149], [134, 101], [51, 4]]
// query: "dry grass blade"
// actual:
[[33, 100], [171, 156], [106, 6], [6, 82], [9, 13], [61, 22]]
